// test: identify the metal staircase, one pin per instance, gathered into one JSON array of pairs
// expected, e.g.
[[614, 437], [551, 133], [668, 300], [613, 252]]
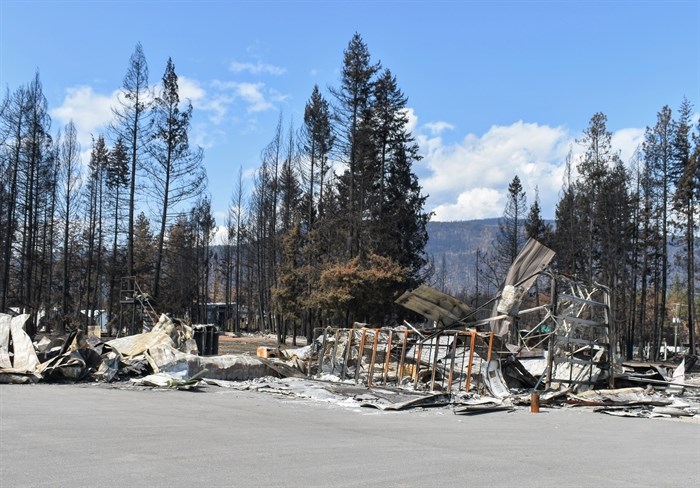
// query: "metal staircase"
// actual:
[[133, 298]]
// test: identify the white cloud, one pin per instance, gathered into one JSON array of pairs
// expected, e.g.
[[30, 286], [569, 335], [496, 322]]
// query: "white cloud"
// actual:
[[277, 96], [627, 141], [206, 136], [469, 179], [217, 107], [191, 90], [256, 68], [412, 120], [474, 203], [249, 173], [459, 174], [220, 235], [436, 128], [251, 93], [91, 112]]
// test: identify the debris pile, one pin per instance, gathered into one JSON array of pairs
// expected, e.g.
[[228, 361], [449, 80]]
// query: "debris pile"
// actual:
[[490, 363], [448, 369], [164, 356], [497, 357]]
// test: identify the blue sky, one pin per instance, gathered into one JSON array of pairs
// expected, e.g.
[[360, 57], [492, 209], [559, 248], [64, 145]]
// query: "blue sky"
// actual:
[[495, 88]]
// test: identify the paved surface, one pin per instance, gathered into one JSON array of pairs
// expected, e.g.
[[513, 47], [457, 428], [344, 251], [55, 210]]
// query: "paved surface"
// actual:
[[86, 435]]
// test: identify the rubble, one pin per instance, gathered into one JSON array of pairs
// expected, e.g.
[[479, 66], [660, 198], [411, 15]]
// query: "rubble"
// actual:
[[19, 364], [482, 405], [164, 356], [475, 361], [166, 380], [390, 370]]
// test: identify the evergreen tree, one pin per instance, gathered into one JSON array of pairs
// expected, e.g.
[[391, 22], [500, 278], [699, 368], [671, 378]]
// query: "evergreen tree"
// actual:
[[657, 149], [535, 226], [176, 172], [26, 215], [686, 175], [604, 214], [397, 206], [35, 170], [403, 235], [389, 118], [204, 226], [290, 193], [511, 233], [144, 252], [593, 169], [376, 208], [131, 125], [614, 216], [359, 290], [70, 177], [289, 235], [289, 291], [94, 199], [12, 130], [567, 228], [117, 179], [238, 218], [317, 141], [179, 269], [353, 126]]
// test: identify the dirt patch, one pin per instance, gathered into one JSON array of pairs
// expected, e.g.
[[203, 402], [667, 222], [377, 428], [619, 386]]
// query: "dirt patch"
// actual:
[[250, 343]]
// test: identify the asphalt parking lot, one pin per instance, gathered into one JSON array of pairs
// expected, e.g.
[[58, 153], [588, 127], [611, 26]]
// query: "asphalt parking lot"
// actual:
[[92, 435]]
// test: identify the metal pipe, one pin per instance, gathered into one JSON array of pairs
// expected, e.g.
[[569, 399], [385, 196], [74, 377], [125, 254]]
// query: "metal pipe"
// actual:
[[388, 355], [375, 341], [403, 354], [471, 360], [323, 352], [335, 350], [453, 355], [419, 353], [434, 365], [550, 346], [535, 402], [360, 354]]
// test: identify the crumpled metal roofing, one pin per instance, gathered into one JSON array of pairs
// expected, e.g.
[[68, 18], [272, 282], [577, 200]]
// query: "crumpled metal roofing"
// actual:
[[435, 305], [533, 258]]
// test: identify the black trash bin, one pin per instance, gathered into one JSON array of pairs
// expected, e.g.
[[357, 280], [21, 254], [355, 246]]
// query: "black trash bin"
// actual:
[[207, 339]]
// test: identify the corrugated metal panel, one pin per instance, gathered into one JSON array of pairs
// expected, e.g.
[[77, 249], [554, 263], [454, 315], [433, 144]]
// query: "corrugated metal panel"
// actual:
[[435, 305], [533, 258]]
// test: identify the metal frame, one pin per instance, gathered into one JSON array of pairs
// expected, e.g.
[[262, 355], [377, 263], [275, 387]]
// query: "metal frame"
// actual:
[[130, 294], [574, 326], [441, 360]]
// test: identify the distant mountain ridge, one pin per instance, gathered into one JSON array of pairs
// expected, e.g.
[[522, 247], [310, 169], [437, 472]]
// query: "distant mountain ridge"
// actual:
[[456, 244]]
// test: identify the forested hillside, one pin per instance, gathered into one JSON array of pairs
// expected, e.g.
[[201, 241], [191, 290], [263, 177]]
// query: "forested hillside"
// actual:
[[453, 249]]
